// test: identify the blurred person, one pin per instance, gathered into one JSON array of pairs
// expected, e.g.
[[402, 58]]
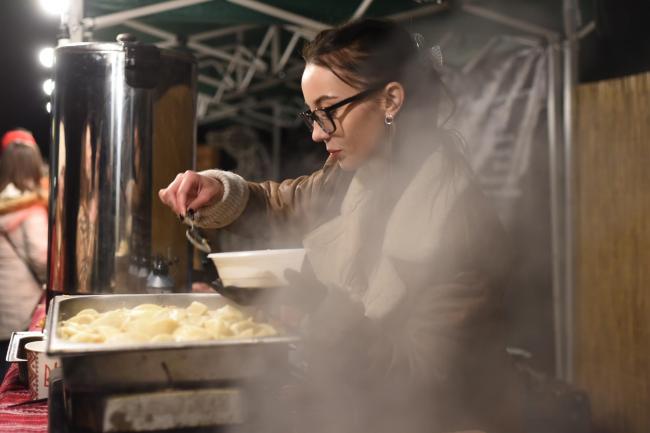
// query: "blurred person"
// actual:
[[406, 261], [23, 228]]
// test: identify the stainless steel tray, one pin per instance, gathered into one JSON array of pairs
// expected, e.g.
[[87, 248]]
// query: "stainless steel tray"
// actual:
[[16, 350], [97, 366]]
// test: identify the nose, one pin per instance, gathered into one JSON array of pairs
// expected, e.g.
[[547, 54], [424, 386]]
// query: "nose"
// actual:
[[317, 134]]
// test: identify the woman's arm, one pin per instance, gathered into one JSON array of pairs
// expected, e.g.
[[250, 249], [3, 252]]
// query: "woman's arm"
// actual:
[[286, 208], [31, 239]]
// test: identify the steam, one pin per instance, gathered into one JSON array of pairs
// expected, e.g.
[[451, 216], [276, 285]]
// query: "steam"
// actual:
[[402, 301], [411, 264]]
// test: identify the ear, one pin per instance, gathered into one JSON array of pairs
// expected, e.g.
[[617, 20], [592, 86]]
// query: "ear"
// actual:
[[393, 98]]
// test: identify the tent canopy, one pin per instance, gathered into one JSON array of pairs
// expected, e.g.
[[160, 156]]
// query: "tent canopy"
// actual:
[[249, 50]]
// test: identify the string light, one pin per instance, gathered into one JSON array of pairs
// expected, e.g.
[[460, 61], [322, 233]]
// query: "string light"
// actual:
[[48, 86], [55, 7], [46, 57]]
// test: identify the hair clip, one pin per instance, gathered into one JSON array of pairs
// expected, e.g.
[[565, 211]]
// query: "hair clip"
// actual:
[[419, 40], [437, 58], [431, 55]]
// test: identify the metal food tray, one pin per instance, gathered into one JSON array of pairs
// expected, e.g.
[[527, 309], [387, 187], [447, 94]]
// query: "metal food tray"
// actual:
[[16, 351], [92, 366]]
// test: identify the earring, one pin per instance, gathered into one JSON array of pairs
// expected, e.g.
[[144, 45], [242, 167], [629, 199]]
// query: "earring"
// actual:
[[388, 120]]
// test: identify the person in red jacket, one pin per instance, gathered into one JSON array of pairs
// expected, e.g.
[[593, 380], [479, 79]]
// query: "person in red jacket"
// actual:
[[23, 234]]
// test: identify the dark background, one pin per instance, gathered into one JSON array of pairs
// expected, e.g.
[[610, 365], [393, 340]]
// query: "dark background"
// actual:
[[24, 30]]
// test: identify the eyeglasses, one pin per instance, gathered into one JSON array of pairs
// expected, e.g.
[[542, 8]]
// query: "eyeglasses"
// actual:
[[323, 116]]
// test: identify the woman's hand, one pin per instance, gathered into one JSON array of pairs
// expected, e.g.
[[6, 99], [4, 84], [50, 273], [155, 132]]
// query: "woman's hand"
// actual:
[[191, 191]]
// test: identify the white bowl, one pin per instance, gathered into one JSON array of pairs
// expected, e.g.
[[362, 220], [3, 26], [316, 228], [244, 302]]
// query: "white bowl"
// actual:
[[257, 269]]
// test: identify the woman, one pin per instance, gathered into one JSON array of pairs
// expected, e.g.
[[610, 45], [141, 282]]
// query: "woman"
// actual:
[[408, 336], [23, 233]]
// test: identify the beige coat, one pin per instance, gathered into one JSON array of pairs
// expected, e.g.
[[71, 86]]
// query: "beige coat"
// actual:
[[24, 222], [414, 329]]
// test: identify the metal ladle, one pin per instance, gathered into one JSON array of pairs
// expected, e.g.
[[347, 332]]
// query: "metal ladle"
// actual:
[[196, 239]]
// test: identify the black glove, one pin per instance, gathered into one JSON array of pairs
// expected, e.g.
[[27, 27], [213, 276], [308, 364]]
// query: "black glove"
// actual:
[[331, 315], [336, 318], [303, 291]]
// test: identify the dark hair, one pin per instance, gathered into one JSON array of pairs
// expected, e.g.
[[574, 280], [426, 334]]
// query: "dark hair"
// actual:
[[22, 165], [372, 52]]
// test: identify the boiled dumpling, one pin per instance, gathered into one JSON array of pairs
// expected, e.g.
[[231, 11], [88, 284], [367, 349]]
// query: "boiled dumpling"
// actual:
[[190, 333], [196, 309], [114, 318], [160, 338], [127, 338], [151, 328]]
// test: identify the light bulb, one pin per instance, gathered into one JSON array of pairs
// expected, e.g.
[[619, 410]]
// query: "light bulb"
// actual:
[[46, 57], [55, 7], [48, 86]]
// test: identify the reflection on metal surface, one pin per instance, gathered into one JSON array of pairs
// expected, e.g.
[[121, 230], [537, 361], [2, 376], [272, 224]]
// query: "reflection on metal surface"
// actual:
[[123, 126]]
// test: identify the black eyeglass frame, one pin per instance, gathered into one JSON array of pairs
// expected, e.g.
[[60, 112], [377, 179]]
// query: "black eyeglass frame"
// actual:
[[309, 116]]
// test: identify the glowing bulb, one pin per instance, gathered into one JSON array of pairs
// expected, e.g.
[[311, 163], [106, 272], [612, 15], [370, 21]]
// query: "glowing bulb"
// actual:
[[48, 107], [55, 7], [48, 86], [46, 57]]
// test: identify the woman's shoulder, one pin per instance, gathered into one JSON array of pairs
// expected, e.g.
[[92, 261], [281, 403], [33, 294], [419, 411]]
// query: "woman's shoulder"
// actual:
[[326, 180], [14, 215], [16, 202]]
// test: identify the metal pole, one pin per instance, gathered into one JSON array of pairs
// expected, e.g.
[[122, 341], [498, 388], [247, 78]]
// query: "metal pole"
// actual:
[[270, 32], [363, 7], [150, 30], [205, 79], [554, 159], [72, 21], [280, 13], [220, 54], [420, 12], [570, 13], [119, 17], [288, 51], [275, 173], [290, 74], [302, 31], [275, 49], [509, 21], [217, 33]]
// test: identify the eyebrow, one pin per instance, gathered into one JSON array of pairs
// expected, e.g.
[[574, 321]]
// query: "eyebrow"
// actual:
[[320, 99]]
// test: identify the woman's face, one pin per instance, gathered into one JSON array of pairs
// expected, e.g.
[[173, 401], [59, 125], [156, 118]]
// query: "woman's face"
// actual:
[[359, 125]]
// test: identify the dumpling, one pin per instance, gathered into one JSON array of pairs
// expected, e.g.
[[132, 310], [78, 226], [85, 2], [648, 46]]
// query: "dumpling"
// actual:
[[242, 326], [217, 329], [86, 337], [151, 328], [114, 318], [190, 333], [82, 318], [145, 311], [127, 338], [196, 309], [264, 330], [160, 338]]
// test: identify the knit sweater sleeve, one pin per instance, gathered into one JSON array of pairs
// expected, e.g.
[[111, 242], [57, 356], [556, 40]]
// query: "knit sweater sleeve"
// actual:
[[273, 210], [224, 212]]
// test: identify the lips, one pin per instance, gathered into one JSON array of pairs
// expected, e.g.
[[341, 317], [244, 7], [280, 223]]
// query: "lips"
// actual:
[[334, 152]]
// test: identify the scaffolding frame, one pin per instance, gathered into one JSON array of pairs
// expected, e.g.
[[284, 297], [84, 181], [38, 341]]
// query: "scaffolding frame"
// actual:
[[241, 73]]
